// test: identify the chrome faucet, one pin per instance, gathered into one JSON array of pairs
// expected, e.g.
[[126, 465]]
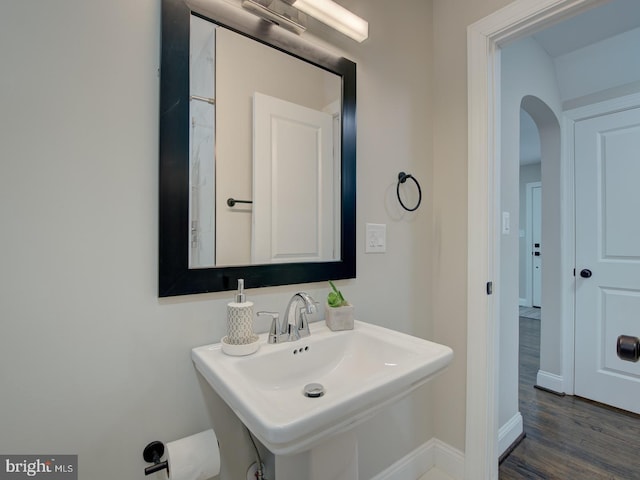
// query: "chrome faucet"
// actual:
[[301, 324], [289, 331]]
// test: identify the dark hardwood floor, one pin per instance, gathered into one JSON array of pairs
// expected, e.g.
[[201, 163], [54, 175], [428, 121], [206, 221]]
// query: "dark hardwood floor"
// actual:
[[568, 437]]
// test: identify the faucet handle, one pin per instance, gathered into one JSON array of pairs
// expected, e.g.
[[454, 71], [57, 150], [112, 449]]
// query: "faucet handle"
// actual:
[[302, 322], [310, 304], [274, 330]]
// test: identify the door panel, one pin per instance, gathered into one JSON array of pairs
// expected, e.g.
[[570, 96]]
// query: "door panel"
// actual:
[[616, 305], [607, 168], [621, 178], [293, 158]]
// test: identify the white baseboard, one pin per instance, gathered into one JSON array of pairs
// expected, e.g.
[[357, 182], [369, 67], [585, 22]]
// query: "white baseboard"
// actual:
[[524, 302], [509, 433], [432, 454], [449, 460], [550, 381]]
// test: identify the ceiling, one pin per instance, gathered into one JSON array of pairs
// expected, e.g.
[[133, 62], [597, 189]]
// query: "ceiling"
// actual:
[[592, 26]]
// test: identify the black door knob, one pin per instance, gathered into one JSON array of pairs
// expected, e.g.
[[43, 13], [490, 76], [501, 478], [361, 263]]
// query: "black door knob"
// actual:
[[628, 348], [585, 273]]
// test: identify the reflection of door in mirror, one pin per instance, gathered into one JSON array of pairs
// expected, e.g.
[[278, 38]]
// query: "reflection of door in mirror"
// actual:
[[242, 68], [293, 147]]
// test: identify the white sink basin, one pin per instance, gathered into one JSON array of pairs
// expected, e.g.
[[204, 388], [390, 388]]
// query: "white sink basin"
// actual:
[[361, 371]]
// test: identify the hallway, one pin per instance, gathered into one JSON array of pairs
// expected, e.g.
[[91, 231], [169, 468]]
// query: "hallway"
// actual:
[[568, 437]]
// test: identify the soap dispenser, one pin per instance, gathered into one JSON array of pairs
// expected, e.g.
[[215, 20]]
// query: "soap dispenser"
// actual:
[[240, 318], [240, 339]]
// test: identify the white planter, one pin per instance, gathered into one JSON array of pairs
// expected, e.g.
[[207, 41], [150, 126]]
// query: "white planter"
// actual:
[[339, 318]]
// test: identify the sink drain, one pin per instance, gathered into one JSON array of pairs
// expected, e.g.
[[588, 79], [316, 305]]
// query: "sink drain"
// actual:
[[313, 390]]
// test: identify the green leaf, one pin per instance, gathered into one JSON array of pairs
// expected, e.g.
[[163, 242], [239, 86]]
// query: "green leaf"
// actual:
[[335, 298]]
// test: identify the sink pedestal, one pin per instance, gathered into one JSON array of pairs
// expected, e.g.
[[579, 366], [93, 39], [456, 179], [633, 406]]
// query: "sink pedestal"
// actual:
[[334, 459]]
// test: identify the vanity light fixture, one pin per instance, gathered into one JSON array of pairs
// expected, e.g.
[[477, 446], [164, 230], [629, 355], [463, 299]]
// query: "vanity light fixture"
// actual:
[[336, 16], [278, 12], [328, 12]]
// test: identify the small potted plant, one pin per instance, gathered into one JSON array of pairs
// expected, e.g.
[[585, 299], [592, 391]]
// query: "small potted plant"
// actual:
[[339, 313]]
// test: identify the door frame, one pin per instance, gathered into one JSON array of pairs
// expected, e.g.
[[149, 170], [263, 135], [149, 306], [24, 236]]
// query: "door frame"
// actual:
[[515, 20], [529, 241]]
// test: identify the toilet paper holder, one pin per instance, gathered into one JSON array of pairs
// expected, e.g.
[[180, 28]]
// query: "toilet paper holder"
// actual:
[[152, 453]]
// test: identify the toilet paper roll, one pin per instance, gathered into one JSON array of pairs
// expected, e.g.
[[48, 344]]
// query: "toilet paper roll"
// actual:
[[194, 458]]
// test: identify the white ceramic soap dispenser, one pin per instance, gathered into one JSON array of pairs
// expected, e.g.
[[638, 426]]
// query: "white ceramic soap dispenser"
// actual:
[[240, 339]]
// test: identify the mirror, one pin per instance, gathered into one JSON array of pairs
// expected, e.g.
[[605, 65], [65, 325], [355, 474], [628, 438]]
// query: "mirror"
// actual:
[[318, 205], [264, 125]]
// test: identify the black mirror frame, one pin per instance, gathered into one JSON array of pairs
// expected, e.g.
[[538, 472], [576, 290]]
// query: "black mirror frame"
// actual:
[[175, 277]]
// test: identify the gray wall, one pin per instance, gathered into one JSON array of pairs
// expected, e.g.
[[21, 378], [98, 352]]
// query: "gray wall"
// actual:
[[450, 20], [527, 71], [91, 361]]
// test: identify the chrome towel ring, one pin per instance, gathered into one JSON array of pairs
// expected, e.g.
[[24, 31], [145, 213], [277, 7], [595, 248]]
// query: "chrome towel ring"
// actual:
[[402, 178]]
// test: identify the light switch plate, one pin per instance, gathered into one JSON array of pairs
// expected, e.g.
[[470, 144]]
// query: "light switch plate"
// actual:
[[506, 223], [376, 238]]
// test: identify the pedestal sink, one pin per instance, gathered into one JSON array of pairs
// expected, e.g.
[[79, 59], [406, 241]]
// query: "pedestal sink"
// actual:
[[360, 371]]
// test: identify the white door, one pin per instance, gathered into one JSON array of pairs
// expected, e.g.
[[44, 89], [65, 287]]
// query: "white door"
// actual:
[[536, 244], [607, 170], [293, 152]]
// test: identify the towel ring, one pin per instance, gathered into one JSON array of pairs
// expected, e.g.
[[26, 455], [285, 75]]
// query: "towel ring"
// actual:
[[402, 178]]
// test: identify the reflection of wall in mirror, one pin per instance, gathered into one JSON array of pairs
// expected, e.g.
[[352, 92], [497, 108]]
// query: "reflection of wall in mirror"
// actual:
[[244, 66]]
